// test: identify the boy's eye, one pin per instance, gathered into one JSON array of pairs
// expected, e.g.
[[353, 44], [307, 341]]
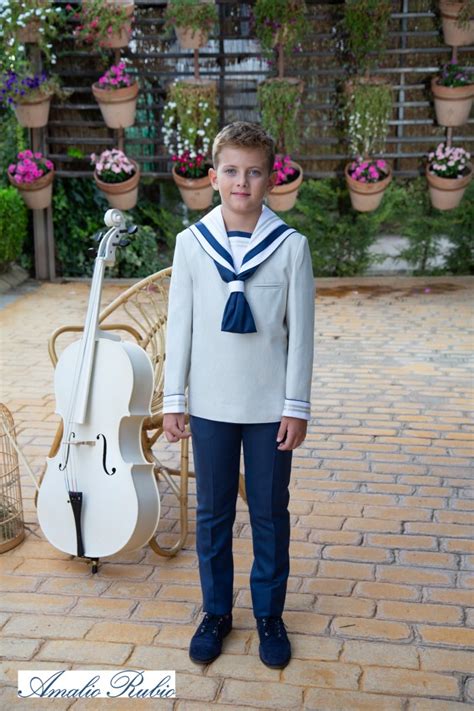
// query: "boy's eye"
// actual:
[[255, 171], [229, 170]]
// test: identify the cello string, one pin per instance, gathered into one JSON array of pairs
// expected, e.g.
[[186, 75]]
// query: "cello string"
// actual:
[[71, 481]]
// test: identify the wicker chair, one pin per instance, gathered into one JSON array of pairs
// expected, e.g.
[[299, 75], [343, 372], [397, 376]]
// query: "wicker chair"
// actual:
[[141, 313]]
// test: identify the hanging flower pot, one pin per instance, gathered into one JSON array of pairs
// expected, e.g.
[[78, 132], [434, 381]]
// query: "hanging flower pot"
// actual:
[[196, 192], [367, 181], [447, 193], [458, 29], [33, 177], [121, 37], [453, 94], [192, 21], [283, 195], [191, 39], [33, 113], [118, 177], [30, 33], [103, 24], [448, 173], [116, 95]]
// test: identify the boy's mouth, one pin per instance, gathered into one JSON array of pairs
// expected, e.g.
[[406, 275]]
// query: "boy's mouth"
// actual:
[[242, 194]]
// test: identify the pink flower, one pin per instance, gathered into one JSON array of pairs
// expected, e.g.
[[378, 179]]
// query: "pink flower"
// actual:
[[49, 164], [11, 168]]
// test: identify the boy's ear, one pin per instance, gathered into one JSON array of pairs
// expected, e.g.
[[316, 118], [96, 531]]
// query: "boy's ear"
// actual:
[[213, 176], [272, 179]]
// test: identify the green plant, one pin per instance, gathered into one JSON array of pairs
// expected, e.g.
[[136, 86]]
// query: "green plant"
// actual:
[[280, 25], [78, 209], [453, 75], [13, 225], [466, 14], [280, 101], [13, 139], [191, 14], [96, 21], [340, 238], [22, 86], [426, 228], [190, 120], [113, 166], [364, 32], [15, 16], [366, 111]]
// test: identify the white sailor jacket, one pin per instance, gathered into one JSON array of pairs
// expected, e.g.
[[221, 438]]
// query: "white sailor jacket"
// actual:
[[240, 377]]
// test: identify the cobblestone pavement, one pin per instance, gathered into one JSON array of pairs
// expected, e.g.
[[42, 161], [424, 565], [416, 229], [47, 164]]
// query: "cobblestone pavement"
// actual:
[[380, 604]]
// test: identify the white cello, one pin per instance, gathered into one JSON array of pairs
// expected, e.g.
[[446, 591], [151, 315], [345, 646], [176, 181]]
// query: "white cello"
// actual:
[[99, 495]]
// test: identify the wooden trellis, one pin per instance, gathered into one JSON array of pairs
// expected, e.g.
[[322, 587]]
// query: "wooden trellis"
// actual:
[[233, 58]]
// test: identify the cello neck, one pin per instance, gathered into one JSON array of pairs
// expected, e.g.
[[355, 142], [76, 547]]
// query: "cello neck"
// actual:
[[86, 354]]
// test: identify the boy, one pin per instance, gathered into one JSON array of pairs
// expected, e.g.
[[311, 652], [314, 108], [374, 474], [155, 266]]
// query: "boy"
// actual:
[[240, 335]]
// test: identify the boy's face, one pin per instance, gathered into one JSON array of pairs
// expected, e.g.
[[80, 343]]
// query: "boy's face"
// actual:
[[242, 179]]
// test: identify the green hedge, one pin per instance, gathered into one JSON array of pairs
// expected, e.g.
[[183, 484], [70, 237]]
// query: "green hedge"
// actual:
[[13, 226]]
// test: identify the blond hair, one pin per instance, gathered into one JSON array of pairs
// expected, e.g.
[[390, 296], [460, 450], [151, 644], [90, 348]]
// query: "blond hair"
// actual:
[[244, 134]]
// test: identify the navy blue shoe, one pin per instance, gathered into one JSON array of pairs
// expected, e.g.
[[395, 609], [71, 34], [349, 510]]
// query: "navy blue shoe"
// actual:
[[206, 643], [275, 647]]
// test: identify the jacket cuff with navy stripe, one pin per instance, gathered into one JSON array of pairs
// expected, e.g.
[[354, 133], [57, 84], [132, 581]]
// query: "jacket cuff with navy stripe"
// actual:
[[174, 403], [297, 408]]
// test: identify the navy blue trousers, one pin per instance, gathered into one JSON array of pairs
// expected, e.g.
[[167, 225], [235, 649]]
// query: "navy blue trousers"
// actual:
[[216, 450]]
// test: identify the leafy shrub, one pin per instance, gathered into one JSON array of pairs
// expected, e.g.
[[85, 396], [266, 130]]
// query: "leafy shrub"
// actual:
[[78, 210], [13, 225], [339, 237], [425, 227]]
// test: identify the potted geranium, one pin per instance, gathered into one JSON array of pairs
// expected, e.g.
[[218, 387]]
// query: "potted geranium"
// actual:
[[458, 21], [453, 91], [448, 172], [29, 95], [103, 23], [34, 21], [192, 20], [366, 113], [367, 181], [33, 177], [280, 26], [118, 177], [116, 93], [190, 123]]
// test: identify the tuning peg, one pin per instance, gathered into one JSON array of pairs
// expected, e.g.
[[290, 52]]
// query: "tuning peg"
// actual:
[[124, 242], [92, 251], [98, 235], [132, 229]]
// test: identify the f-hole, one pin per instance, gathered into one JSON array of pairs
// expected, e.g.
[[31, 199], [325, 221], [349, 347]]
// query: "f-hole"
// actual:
[[104, 457]]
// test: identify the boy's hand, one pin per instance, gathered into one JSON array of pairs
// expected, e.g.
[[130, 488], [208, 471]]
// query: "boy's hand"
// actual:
[[174, 427], [295, 430]]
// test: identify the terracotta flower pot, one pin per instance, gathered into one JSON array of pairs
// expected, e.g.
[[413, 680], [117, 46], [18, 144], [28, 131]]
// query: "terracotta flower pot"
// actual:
[[283, 197], [191, 39], [37, 195], [33, 114], [196, 192], [447, 193], [366, 197], [452, 103], [30, 32], [122, 195], [121, 38], [118, 106], [454, 35]]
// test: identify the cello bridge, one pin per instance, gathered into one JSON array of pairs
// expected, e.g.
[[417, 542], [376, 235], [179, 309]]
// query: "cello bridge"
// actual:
[[91, 442]]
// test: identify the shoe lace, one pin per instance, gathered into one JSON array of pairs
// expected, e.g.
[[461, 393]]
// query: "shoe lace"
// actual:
[[273, 626], [210, 624]]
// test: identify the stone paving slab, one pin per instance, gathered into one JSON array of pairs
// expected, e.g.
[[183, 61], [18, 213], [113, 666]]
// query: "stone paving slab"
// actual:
[[380, 604]]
